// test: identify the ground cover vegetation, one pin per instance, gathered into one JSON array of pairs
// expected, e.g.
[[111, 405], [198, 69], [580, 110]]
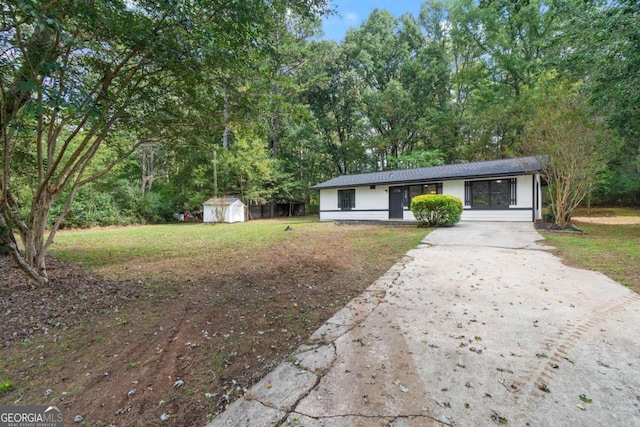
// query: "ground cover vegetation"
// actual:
[[125, 112], [216, 312], [611, 249]]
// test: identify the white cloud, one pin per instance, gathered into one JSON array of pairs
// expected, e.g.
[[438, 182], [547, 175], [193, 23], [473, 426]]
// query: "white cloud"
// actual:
[[351, 17]]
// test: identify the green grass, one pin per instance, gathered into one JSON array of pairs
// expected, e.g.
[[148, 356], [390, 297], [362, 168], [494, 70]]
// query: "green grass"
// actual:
[[613, 250], [101, 247], [118, 250]]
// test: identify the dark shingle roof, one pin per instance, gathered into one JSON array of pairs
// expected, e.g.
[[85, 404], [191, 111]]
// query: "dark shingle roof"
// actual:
[[502, 167]]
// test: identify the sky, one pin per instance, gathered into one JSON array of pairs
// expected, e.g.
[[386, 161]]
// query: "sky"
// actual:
[[351, 13]]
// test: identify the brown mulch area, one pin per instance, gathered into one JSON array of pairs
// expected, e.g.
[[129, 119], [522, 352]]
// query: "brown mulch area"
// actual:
[[549, 226], [73, 296]]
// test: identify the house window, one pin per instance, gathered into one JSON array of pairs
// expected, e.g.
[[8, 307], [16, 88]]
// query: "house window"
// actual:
[[491, 194], [346, 199], [418, 190]]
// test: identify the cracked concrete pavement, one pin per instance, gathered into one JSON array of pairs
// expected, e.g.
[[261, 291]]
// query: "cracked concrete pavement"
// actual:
[[478, 325]]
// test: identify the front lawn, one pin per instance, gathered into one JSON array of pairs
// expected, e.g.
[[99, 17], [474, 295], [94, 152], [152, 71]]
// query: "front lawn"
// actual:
[[610, 249]]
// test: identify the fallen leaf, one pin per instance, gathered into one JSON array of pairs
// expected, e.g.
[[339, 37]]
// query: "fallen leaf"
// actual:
[[585, 399], [498, 419]]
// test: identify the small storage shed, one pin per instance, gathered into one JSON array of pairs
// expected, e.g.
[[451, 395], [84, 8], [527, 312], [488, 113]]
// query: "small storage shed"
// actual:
[[223, 209]]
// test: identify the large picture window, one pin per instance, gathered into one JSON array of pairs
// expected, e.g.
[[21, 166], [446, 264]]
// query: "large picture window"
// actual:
[[346, 199], [418, 190], [490, 194]]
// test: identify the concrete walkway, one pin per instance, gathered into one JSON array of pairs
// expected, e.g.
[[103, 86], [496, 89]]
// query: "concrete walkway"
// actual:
[[479, 325]]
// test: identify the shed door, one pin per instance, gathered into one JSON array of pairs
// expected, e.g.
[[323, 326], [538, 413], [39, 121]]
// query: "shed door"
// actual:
[[396, 197]]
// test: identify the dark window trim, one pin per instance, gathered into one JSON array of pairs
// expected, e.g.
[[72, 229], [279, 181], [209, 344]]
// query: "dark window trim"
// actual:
[[467, 193], [513, 195], [352, 199], [407, 194]]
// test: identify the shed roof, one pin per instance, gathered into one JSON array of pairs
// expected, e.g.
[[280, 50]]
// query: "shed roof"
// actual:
[[222, 201], [502, 167]]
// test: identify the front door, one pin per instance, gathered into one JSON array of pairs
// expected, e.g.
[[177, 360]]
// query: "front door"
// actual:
[[396, 197]]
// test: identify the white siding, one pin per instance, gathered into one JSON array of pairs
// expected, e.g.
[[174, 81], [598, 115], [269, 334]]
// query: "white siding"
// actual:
[[235, 213], [371, 205], [525, 192], [207, 214], [496, 215], [454, 188], [354, 216]]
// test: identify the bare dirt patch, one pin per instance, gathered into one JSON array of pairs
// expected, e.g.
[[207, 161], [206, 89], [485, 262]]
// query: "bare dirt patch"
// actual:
[[628, 220], [183, 345]]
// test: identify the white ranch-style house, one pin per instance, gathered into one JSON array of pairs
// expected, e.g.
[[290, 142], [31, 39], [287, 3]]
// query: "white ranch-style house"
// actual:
[[495, 190]]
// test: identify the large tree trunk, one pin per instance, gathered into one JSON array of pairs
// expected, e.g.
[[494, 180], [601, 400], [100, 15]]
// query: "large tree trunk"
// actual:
[[31, 261]]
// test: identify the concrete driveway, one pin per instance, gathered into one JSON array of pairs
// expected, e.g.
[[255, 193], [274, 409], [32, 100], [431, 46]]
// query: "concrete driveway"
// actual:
[[479, 325]]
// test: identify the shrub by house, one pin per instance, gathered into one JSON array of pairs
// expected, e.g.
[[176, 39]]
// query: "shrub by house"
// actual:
[[436, 210]]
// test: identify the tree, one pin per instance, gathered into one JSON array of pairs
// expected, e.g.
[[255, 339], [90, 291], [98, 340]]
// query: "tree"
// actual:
[[333, 95], [602, 40], [381, 50], [74, 73], [576, 143], [514, 41]]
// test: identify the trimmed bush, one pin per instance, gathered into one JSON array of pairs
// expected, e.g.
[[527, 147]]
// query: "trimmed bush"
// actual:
[[436, 210]]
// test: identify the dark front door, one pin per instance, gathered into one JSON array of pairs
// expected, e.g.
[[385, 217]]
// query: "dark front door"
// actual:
[[396, 197]]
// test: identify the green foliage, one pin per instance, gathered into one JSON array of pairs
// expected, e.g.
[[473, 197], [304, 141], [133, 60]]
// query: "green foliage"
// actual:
[[248, 170], [123, 205], [6, 386], [90, 208], [416, 159], [436, 210]]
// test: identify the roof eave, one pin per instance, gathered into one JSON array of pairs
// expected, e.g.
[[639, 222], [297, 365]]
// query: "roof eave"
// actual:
[[413, 181]]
